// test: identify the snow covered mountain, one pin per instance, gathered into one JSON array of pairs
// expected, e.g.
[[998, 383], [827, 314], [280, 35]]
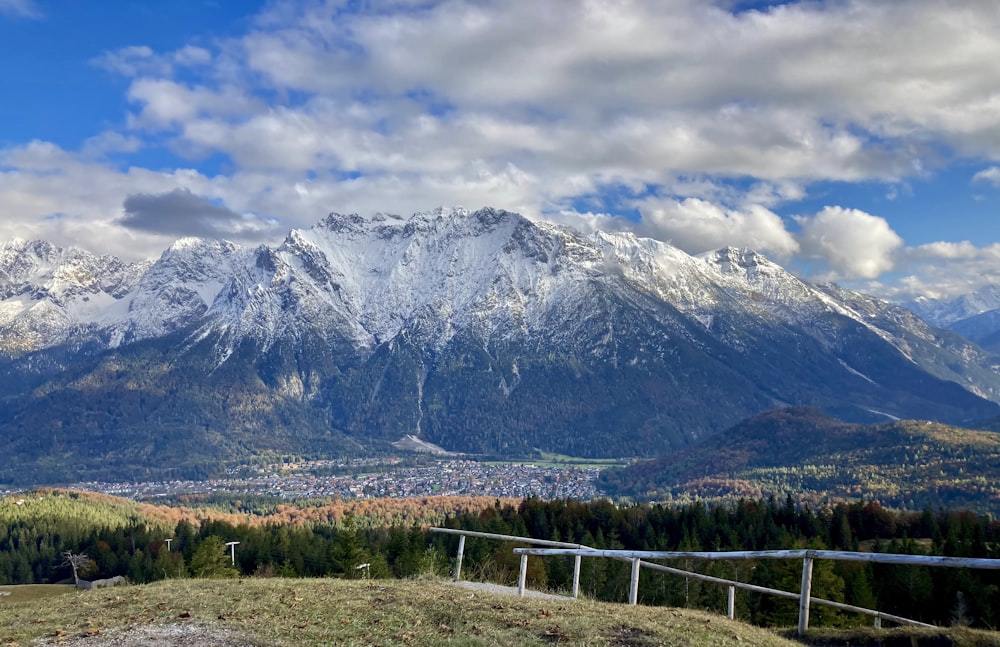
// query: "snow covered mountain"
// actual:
[[944, 313], [477, 331], [975, 316]]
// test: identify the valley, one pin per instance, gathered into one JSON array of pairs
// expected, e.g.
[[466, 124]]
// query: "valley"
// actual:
[[375, 478]]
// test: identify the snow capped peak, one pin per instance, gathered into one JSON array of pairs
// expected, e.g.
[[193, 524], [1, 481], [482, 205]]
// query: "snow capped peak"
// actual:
[[740, 260], [188, 243], [47, 292], [363, 280], [945, 312], [13, 244]]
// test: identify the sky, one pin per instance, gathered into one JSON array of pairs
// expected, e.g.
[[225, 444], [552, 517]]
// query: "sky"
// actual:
[[850, 141]]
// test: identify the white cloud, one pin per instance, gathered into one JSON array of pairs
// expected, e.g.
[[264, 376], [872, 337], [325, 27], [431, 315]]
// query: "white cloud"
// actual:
[[945, 251], [725, 117], [697, 226], [631, 90], [141, 60], [167, 103], [943, 270], [189, 55], [110, 142], [132, 61], [852, 243], [990, 175], [752, 72]]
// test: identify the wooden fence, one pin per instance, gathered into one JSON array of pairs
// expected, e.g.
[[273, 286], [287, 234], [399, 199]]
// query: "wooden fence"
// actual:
[[526, 540], [638, 561], [637, 557]]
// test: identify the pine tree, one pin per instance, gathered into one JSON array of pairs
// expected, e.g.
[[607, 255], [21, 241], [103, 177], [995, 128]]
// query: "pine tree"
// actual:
[[211, 559]]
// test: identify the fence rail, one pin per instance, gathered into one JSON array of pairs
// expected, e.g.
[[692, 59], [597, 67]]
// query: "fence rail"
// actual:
[[525, 540], [638, 559], [807, 557]]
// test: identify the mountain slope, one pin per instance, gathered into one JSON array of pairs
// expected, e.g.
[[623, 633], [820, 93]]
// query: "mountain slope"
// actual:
[[479, 331], [910, 464]]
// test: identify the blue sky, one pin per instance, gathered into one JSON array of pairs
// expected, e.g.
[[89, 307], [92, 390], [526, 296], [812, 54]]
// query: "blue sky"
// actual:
[[828, 135]]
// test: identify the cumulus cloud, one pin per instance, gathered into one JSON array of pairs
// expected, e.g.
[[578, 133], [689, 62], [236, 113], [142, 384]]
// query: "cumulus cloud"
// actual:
[[944, 270], [945, 251], [625, 90], [131, 60], [110, 142], [697, 226], [73, 199], [990, 175], [166, 103], [795, 80], [141, 60], [851, 243], [712, 118], [182, 213]]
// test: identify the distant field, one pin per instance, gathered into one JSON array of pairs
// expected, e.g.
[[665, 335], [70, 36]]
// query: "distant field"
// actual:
[[562, 461], [33, 592]]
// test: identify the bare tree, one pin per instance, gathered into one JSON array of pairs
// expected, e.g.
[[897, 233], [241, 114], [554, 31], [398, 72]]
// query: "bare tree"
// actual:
[[80, 563]]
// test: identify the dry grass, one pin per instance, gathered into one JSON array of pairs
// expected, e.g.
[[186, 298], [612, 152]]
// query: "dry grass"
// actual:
[[305, 613], [25, 592]]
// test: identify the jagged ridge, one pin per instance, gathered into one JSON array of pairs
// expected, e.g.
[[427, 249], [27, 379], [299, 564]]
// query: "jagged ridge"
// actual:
[[477, 331]]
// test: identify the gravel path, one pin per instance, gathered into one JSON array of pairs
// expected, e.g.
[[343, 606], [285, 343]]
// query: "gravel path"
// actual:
[[174, 635]]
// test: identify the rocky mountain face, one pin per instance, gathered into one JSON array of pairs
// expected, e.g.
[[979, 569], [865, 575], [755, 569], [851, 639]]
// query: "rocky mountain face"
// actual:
[[479, 332]]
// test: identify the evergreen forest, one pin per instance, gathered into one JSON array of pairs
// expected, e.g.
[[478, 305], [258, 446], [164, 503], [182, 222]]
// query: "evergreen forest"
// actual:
[[118, 537]]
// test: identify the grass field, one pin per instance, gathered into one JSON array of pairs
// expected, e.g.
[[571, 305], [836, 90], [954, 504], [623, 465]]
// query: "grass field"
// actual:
[[28, 592], [306, 613], [558, 461], [309, 613]]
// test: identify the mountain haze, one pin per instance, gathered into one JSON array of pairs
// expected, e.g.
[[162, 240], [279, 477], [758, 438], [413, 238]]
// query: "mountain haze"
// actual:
[[479, 331], [975, 316]]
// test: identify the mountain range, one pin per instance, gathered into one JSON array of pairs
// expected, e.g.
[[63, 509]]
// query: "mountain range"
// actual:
[[477, 331], [975, 316]]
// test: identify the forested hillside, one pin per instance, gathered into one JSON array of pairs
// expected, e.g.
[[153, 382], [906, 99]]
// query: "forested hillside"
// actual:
[[907, 464], [31, 549]]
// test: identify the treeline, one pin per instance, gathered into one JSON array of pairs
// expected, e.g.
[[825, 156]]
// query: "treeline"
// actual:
[[935, 595], [351, 548], [35, 553]]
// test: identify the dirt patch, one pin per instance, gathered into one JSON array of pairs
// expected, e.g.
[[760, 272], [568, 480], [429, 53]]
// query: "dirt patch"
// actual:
[[555, 634], [174, 635], [634, 637]]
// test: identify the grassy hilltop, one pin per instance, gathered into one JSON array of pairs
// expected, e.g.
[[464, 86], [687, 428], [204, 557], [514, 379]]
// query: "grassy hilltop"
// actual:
[[274, 612], [324, 612]]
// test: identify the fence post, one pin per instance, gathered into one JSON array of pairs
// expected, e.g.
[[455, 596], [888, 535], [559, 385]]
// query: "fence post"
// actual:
[[731, 603], [878, 622], [576, 576], [461, 553], [807, 573], [633, 591], [522, 576]]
